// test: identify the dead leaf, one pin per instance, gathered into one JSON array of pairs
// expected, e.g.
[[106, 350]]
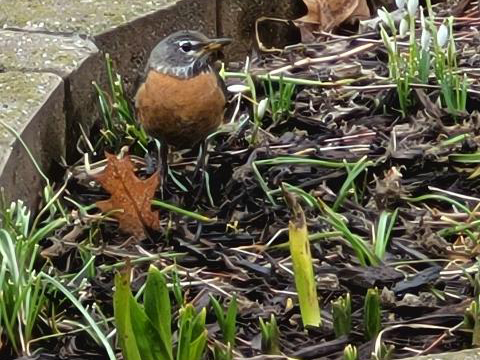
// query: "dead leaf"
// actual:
[[129, 193], [326, 14]]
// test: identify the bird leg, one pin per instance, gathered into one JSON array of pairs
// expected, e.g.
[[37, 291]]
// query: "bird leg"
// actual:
[[162, 154], [202, 154], [158, 162], [201, 165]]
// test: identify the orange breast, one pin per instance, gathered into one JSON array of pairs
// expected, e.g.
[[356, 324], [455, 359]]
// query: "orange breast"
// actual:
[[181, 112]]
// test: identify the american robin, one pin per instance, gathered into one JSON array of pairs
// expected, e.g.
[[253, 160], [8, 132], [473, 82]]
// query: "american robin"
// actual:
[[182, 99]]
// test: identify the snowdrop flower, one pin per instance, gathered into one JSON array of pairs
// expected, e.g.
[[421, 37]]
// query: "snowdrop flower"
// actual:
[[387, 41], [400, 3], [425, 39], [382, 14], [238, 88], [262, 107], [442, 35], [412, 6]]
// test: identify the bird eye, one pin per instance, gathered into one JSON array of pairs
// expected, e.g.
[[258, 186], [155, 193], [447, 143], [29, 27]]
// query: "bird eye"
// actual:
[[186, 46]]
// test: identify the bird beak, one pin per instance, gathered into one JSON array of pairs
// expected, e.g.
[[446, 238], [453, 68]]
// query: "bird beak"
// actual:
[[216, 44]]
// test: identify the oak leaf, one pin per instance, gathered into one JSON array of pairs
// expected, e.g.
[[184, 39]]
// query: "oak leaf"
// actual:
[[130, 194], [326, 14]]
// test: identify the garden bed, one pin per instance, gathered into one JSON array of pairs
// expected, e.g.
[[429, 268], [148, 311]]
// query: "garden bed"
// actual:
[[380, 150]]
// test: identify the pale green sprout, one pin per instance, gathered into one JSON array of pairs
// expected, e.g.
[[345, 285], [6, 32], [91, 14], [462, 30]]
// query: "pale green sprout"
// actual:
[[350, 353]]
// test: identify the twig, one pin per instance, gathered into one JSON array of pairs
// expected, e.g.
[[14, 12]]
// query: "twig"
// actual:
[[309, 61]]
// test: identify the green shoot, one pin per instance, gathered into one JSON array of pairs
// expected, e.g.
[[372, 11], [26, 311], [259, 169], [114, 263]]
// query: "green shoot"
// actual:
[[342, 315], [119, 122], [384, 353], [302, 263], [280, 101], [350, 353], [383, 231], [472, 320], [270, 336], [371, 314], [226, 320], [361, 248]]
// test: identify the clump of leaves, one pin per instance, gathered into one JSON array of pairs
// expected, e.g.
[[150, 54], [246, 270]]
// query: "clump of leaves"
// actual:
[[119, 124], [145, 333], [228, 325], [22, 291], [419, 62], [280, 100]]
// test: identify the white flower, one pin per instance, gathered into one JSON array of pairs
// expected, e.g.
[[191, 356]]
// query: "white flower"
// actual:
[[262, 107], [425, 40], [382, 14], [238, 88], [442, 35], [387, 41], [403, 27], [400, 3], [412, 6]]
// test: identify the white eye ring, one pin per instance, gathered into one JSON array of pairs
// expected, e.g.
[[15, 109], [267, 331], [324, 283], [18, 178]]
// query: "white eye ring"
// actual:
[[185, 46]]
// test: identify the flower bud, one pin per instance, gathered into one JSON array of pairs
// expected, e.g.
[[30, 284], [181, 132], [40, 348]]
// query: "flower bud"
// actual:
[[400, 3], [425, 40], [442, 35], [412, 6], [382, 14], [238, 88], [262, 107]]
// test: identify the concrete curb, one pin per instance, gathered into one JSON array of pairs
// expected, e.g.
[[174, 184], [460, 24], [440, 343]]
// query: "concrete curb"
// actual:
[[41, 126]]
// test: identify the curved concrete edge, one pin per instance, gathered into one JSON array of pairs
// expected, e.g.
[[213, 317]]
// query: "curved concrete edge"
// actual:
[[70, 63], [41, 125]]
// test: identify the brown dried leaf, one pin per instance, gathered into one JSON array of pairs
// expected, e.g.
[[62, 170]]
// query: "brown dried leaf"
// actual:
[[129, 193], [326, 14]]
